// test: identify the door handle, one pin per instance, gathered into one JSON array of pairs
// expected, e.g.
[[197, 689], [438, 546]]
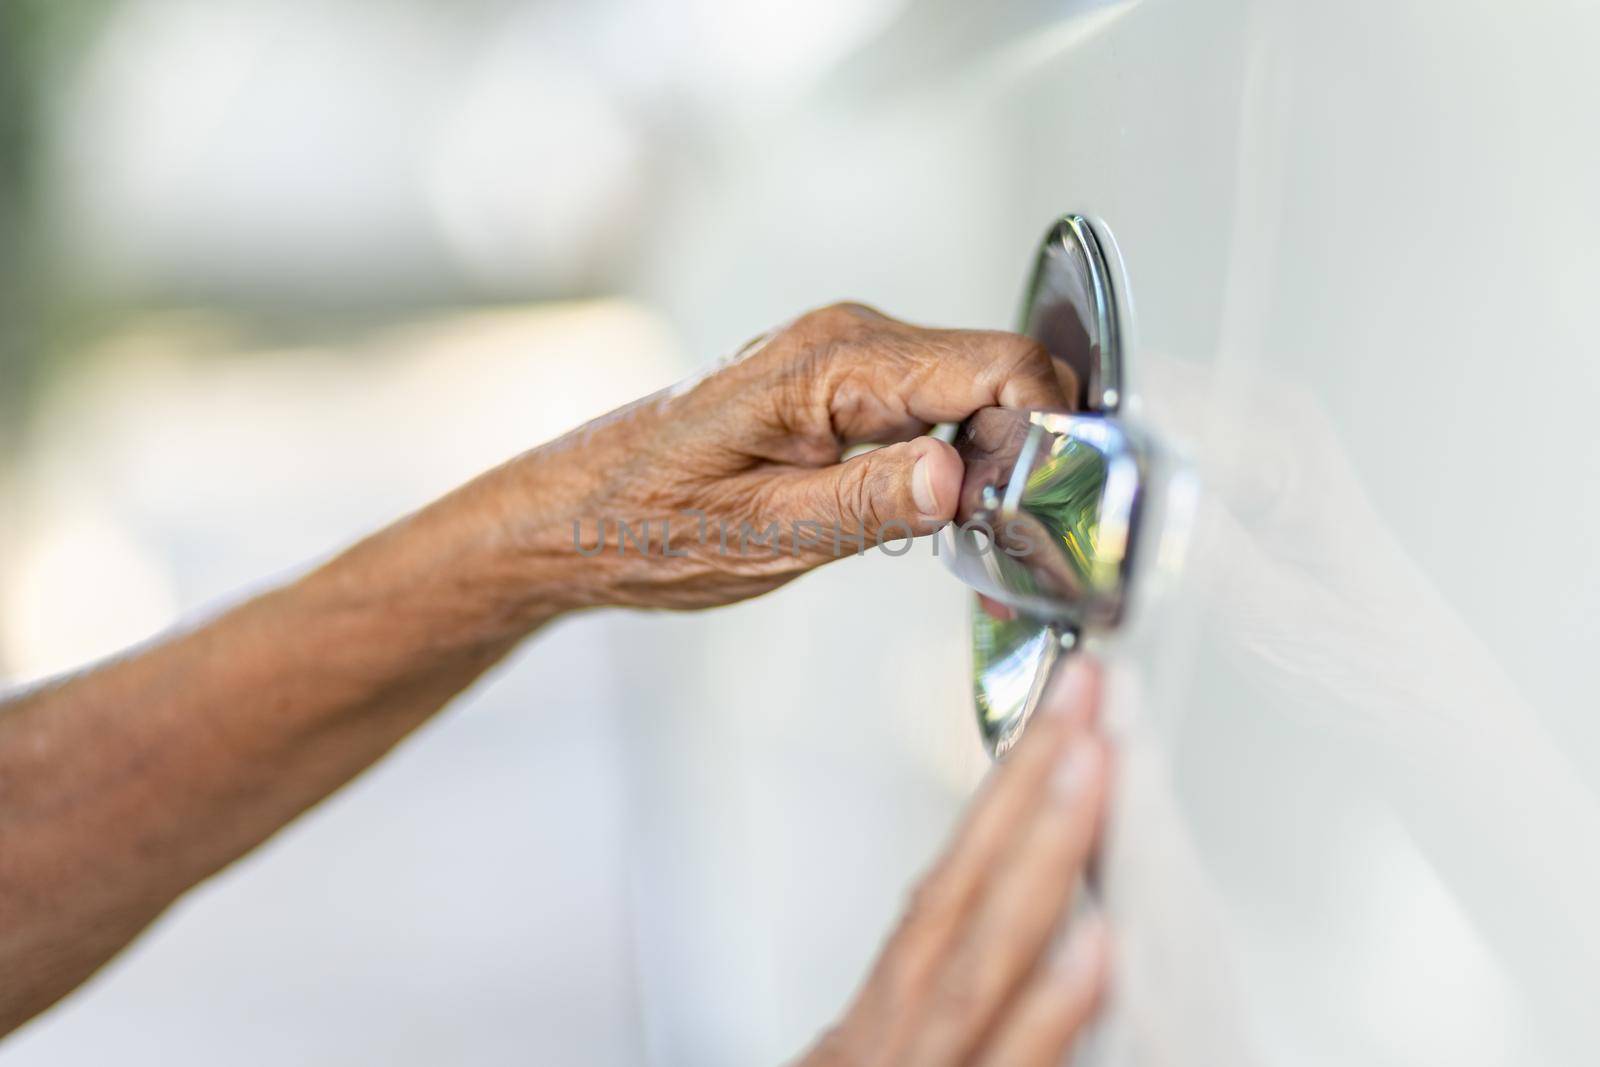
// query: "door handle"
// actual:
[[1057, 507]]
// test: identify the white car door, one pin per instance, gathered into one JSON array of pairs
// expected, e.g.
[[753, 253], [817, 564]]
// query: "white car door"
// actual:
[[1356, 818]]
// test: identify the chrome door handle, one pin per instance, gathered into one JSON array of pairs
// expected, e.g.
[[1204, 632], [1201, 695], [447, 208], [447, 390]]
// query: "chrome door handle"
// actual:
[[1054, 517]]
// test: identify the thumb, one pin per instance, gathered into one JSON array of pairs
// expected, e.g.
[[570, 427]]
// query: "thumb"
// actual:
[[886, 494]]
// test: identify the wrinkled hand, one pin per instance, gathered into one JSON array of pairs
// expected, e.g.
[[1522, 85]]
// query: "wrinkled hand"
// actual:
[[733, 484], [971, 975], [241, 723]]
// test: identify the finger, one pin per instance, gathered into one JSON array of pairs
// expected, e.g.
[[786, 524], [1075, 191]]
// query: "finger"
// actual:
[[890, 433], [1014, 370], [901, 490], [1069, 707], [912, 374], [942, 902], [1074, 691], [1051, 1011], [1021, 905]]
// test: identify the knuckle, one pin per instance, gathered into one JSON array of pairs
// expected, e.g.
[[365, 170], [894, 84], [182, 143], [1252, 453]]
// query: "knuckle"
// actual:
[[841, 319], [795, 382], [856, 498], [829, 317], [1023, 369], [845, 502], [850, 311], [1022, 355], [1030, 349]]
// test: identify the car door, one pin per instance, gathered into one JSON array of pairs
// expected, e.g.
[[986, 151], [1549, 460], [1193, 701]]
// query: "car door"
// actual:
[[1356, 817]]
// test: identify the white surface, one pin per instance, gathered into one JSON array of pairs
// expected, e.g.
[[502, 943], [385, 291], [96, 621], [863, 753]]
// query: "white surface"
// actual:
[[1358, 820]]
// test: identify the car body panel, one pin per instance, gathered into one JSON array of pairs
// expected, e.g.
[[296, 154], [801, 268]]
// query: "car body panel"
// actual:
[[1357, 818]]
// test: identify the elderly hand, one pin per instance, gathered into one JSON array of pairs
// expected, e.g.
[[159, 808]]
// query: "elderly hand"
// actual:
[[733, 484], [974, 975], [127, 784]]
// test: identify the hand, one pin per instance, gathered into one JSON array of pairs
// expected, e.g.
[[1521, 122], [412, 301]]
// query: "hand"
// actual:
[[243, 722], [733, 484], [971, 975]]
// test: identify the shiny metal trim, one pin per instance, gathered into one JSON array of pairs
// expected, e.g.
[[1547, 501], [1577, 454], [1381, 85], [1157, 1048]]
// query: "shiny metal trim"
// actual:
[[1021, 626], [1070, 306], [1006, 541]]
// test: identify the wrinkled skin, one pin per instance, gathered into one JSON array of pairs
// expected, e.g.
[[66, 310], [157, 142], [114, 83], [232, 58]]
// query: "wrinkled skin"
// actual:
[[123, 786], [759, 441]]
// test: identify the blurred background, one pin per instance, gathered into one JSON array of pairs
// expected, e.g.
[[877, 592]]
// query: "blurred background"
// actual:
[[274, 271]]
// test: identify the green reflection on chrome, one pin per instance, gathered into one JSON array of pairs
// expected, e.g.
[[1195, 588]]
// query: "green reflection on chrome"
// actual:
[[1011, 658], [1065, 494], [1063, 499]]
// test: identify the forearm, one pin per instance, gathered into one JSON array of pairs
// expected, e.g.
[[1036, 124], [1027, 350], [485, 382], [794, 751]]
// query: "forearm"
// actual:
[[122, 787]]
